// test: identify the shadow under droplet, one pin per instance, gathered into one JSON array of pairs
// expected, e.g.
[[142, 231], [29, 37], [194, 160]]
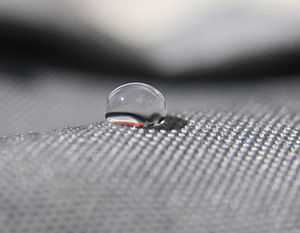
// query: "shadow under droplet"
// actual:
[[170, 123]]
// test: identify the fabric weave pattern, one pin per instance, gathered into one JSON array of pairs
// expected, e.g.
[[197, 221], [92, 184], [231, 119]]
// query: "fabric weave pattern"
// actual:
[[222, 172]]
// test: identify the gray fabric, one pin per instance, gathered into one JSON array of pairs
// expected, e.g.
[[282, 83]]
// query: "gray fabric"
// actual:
[[225, 171], [233, 168]]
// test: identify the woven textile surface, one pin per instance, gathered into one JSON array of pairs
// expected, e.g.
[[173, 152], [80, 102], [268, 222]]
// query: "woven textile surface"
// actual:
[[223, 171]]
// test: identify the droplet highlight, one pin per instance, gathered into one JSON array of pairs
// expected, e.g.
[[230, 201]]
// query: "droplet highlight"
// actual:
[[136, 104]]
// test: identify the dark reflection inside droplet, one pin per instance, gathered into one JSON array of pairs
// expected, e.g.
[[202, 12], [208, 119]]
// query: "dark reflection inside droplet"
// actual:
[[153, 122], [132, 119]]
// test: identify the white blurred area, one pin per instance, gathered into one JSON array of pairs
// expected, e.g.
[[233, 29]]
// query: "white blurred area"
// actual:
[[175, 35], [179, 34]]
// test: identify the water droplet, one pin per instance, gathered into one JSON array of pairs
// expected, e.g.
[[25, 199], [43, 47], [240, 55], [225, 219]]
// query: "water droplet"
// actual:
[[136, 104]]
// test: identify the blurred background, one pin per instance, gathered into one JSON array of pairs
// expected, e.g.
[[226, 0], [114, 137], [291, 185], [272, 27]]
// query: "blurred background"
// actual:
[[60, 59]]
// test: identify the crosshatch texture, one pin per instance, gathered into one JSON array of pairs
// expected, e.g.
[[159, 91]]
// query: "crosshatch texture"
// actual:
[[222, 172]]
